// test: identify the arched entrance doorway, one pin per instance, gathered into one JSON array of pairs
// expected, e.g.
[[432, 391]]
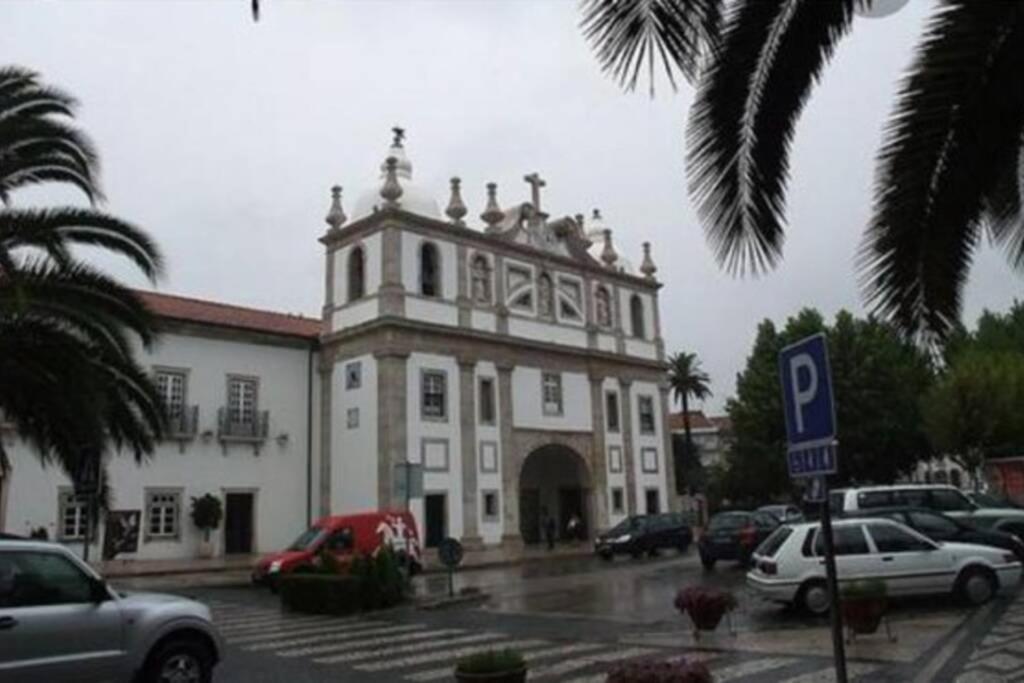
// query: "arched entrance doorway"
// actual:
[[555, 482]]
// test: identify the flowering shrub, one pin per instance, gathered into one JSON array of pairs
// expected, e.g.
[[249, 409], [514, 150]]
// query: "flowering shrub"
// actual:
[[660, 671], [698, 600]]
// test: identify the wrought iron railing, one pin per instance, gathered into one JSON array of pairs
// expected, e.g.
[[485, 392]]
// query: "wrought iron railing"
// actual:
[[248, 430], [184, 424]]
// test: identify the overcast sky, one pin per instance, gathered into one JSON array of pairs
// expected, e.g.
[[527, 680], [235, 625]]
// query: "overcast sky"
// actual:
[[222, 137]]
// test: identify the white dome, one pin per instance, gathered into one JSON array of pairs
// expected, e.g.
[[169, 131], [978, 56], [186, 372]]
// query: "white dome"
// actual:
[[414, 198]]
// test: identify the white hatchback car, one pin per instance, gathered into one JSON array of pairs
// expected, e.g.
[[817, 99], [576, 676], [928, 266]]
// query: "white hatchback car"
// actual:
[[789, 565]]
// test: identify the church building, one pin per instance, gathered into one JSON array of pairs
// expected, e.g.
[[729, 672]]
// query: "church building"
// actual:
[[483, 375]]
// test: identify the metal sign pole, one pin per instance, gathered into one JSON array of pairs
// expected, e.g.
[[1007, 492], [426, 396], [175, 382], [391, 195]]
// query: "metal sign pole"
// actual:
[[88, 525], [838, 647]]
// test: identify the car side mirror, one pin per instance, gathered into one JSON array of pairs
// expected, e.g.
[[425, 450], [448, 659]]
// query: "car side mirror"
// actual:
[[98, 590]]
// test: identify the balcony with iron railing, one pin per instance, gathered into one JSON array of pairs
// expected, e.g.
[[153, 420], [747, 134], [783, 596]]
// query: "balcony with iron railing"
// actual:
[[182, 424], [252, 431]]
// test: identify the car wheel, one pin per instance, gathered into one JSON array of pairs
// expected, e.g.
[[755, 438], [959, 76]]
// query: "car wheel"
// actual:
[[636, 553], [976, 586], [652, 551], [606, 556], [682, 548], [813, 598], [708, 562], [180, 660]]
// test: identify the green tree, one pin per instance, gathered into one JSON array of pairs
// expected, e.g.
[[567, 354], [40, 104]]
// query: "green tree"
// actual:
[[949, 170], [687, 381], [69, 382], [878, 378]]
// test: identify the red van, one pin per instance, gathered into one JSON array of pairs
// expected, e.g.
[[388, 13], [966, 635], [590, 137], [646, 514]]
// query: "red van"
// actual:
[[344, 536]]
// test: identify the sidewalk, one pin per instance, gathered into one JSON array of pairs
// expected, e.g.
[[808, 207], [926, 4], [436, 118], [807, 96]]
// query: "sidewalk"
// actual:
[[241, 565]]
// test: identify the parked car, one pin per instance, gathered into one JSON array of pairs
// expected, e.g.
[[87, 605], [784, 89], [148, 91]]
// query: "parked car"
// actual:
[[344, 537], [1005, 520], [991, 500], [788, 566], [645, 534], [787, 514], [940, 527], [734, 536], [943, 498], [60, 622]]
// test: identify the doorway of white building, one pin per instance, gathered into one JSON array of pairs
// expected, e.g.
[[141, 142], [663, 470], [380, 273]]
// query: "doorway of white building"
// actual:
[[652, 502], [239, 507], [435, 522], [555, 483]]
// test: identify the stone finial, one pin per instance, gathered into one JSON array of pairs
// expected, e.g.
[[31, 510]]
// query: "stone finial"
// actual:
[[492, 214], [580, 221], [336, 215], [456, 207], [391, 190], [399, 133], [608, 255], [647, 267]]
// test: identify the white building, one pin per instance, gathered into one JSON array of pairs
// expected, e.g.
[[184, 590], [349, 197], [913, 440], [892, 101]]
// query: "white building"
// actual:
[[712, 434], [519, 365]]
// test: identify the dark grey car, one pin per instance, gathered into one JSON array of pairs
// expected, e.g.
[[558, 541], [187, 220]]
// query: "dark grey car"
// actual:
[[59, 621]]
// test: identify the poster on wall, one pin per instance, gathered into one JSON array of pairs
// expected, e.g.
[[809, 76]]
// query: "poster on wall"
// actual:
[[121, 533]]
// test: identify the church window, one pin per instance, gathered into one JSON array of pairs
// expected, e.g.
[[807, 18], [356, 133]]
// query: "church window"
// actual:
[[552, 393], [163, 510], [611, 408], [480, 278], [72, 514], [433, 392], [486, 400], [545, 296], [170, 385], [646, 406], [356, 274], [636, 314], [430, 270], [617, 501], [603, 305], [649, 460], [490, 505], [518, 277], [353, 375], [524, 300], [242, 394]]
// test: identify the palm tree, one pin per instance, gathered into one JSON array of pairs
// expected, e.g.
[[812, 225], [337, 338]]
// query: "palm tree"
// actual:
[[687, 380], [950, 170], [69, 383]]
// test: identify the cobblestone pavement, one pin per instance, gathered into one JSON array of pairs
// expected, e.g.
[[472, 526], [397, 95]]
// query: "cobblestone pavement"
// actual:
[[997, 654]]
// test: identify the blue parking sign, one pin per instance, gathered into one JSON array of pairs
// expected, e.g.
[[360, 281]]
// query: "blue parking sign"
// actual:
[[809, 408]]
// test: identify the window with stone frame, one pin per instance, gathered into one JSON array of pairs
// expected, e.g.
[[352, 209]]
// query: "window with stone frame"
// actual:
[[618, 500], [551, 391], [487, 411], [570, 299], [603, 307], [480, 279], [353, 375], [163, 514], [356, 273], [72, 516], [430, 270], [434, 395], [636, 316], [490, 507], [170, 385], [646, 409], [611, 411], [242, 396]]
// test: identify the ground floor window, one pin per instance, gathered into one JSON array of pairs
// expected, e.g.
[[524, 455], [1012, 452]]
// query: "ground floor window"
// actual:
[[653, 501], [163, 514], [491, 505], [72, 516], [618, 506]]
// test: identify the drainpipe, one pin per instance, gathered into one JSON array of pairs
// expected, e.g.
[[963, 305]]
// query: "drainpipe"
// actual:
[[309, 436]]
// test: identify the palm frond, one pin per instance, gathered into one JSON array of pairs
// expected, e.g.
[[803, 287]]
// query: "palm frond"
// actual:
[[630, 36], [54, 230], [953, 138], [742, 122], [1003, 210]]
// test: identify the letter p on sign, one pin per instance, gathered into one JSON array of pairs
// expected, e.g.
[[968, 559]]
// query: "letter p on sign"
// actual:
[[807, 392]]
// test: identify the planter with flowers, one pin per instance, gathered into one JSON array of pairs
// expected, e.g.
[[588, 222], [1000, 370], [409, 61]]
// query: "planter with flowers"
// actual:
[[863, 605], [705, 606], [676, 670], [492, 666]]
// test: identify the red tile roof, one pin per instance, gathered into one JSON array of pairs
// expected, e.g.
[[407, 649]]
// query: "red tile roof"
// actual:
[[225, 315], [698, 420]]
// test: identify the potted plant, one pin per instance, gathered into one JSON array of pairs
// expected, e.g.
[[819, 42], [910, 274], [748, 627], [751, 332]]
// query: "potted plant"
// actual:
[[647, 670], [492, 666], [863, 605], [705, 605], [207, 512]]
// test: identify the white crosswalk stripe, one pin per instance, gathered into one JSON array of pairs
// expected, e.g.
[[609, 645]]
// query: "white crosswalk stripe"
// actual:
[[254, 625], [286, 629], [576, 663], [382, 654], [329, 635], [452, 655], [558, 651], [306, 632], [382, 637]]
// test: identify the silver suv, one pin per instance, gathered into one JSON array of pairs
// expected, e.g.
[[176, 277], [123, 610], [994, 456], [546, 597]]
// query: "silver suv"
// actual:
[[59, 621]]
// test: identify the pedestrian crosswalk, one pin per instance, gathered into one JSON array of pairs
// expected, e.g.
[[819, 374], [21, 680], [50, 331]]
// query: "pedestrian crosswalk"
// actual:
[[377, 648]]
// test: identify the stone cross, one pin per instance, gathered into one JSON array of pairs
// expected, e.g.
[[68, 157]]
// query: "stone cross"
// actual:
[[399, 136], [535, 184]]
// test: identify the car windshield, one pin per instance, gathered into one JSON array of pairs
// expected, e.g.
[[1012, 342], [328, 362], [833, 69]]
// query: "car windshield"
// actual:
[[729, 520], [307, 539]]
